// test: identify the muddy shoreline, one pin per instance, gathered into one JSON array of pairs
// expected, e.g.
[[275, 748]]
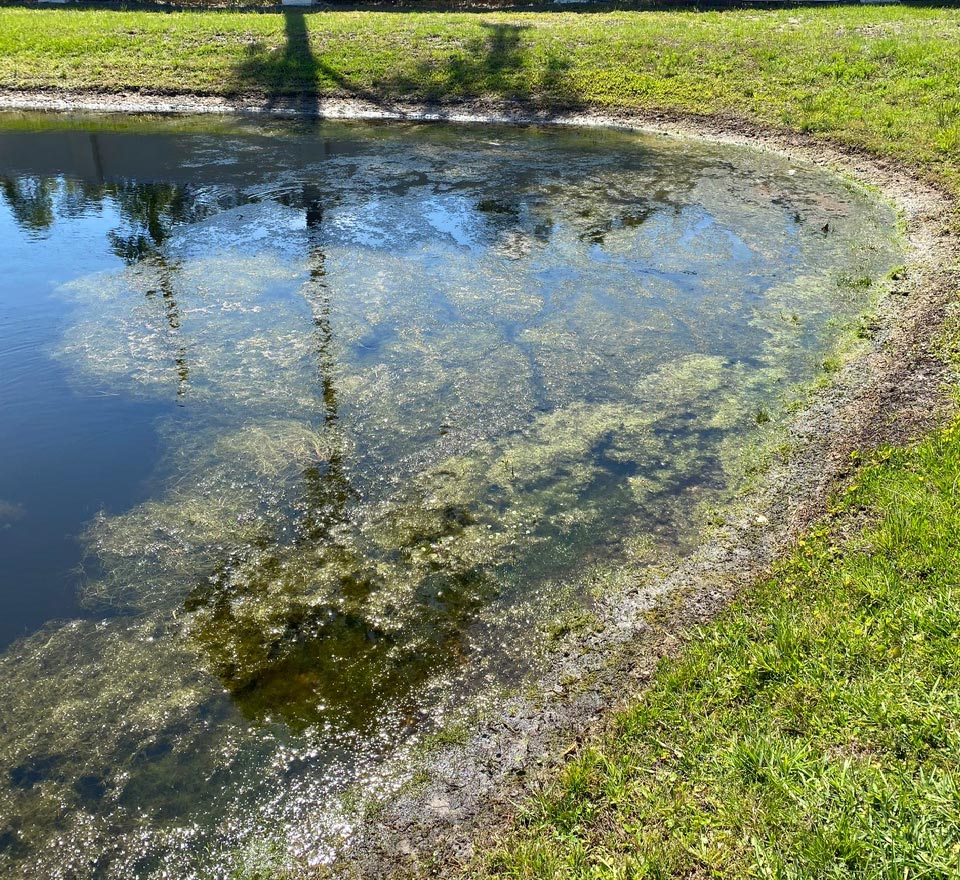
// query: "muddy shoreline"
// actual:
[[892, 389]]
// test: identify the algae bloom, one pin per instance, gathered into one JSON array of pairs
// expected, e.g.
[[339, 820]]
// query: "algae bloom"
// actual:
[[330, 418]]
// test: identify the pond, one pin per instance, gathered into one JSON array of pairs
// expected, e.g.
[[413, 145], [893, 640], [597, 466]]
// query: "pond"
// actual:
[[307, 427]]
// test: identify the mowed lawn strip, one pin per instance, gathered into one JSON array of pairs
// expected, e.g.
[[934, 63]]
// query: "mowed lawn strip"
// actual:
[[883, 78]]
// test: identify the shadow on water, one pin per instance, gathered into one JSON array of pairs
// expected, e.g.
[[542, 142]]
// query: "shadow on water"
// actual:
[[298, 660], [499, 62]]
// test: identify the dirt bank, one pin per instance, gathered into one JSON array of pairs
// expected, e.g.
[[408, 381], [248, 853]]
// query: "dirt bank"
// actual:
[[893, 389]]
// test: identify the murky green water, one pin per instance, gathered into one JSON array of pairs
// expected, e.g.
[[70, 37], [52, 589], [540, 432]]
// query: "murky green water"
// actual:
[[306, 425]]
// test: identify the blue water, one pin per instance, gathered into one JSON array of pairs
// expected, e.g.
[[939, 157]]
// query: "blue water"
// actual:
[[66, 452]]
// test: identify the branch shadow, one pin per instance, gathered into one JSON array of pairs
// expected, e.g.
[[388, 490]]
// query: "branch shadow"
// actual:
[[500, 65]]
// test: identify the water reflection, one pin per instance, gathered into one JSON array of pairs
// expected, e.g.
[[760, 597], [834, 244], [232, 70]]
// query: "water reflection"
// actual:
[[30, 200], [407, 385]]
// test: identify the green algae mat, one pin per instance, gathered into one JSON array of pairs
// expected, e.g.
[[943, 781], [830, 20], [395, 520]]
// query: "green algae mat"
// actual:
[[308, 426]]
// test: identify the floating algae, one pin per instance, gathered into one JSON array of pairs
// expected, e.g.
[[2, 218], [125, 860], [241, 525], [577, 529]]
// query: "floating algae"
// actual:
[[407, 385], [10, 513]]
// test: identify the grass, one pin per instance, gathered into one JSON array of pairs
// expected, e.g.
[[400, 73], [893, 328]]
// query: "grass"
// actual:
[[813, 731], [881, 78]]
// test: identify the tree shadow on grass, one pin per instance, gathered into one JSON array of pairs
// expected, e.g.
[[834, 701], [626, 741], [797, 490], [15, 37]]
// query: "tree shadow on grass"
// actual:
[[288, 76], [498, 64]]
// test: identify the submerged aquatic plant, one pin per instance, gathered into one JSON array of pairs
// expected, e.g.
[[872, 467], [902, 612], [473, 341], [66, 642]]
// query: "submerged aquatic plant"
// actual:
[[442, 382]]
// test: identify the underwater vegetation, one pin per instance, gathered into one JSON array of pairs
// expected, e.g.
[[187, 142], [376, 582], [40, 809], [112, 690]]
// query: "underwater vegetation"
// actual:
[[404, 383]]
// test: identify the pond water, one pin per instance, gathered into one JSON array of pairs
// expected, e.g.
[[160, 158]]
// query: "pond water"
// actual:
[[306, 427]]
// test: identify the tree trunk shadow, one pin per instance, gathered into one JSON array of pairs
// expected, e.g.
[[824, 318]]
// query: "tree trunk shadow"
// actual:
[[495, 64]]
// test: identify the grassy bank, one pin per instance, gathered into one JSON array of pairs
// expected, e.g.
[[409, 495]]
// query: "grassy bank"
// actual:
[[814, 730], [878, 77]]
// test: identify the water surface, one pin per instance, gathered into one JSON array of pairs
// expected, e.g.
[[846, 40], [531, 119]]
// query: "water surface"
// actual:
[[306, 427]]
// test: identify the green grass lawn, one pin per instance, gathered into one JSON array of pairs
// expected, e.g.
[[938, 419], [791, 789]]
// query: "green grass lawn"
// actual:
[[884, 78], [813, 731]]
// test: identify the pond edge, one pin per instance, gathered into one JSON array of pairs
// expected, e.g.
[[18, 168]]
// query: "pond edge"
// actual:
[[896, 388]]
